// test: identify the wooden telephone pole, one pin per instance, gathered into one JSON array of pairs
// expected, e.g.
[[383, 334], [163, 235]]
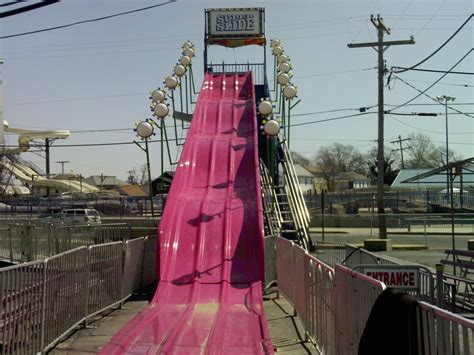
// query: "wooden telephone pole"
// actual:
[[380, 46]]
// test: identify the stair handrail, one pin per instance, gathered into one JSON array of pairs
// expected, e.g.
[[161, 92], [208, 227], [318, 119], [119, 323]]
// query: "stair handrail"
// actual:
[[270, 203], [295, 198]]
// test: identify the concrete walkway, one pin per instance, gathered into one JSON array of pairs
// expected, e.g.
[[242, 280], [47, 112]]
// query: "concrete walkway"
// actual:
[[286, 330]]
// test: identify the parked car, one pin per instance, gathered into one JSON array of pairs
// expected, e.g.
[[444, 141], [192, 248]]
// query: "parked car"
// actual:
[[81, 216]]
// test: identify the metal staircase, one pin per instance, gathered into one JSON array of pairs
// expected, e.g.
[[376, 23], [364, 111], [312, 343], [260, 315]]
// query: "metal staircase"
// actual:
[[292, 206], [285, 210], [271, 208]]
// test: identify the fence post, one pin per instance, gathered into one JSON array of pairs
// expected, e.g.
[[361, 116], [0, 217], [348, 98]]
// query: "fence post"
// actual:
[[86, 288], [439, 285]]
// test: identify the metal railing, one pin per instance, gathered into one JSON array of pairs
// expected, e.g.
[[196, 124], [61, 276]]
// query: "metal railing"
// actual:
[[333, 304], [257, 69], [297, 204], [43, 301], [443, 332], [21, 242], [271, 209]]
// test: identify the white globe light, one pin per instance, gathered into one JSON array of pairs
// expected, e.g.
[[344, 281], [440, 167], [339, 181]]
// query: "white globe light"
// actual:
[[185, 60], [284, 67], [161, 110], [188, 44], [265, 107], [188, 52], [180, 70], [144, 129], [277, 50], [283, 59], [290, 91], [271, 128], [283, 78], [158, 96], [171, 81], [275, 42]]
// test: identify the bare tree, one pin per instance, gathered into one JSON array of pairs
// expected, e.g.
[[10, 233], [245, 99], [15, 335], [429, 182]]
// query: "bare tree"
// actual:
[[300, 159], [423, 153], [337, 158]]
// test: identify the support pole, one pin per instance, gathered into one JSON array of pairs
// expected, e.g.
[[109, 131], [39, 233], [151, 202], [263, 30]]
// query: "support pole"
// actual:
[[150, 187], [380, 46]]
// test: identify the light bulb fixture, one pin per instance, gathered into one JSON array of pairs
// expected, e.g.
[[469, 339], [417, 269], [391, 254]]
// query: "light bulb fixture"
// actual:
[[188, 52], [188, 44], [275, 42], [185, 60], [179, 69], [161, 110], [283, 78], [283, 59], [271, 128], [290, 91], [144, 129], [158, 96], [171, 82], [284, 67], [265, 107], [277, 51]]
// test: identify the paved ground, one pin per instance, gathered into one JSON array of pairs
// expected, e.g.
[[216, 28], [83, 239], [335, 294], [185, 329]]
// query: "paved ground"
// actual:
[[437, 239], [286, 331]]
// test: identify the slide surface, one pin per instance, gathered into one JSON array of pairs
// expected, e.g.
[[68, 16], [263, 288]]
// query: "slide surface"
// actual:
[[211, 265]]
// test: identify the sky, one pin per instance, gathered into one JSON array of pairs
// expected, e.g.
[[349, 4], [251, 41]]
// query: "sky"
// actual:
[[95, 78]]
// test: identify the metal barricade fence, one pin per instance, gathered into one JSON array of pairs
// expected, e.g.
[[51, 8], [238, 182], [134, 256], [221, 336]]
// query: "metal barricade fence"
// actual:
[[65, 293], [149, 270], [41, 302], [270, 261], [321, 315], [28, 242], [132, 266], [443, 332], [104, 275], [22, 308], [355, 295]]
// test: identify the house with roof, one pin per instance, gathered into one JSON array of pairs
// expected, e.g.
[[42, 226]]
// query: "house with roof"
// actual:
[[105, 182], [349, 180], [305, 178]]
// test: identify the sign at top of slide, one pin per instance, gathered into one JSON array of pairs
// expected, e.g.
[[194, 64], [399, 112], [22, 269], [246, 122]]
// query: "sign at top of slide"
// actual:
[[235, 27]]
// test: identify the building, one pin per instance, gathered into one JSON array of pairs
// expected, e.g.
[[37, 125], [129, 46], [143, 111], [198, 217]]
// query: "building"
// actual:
[[350, 180]]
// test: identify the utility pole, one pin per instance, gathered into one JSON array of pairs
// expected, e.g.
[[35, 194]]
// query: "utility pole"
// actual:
[[62, 162], [380, 46], [400, 140]]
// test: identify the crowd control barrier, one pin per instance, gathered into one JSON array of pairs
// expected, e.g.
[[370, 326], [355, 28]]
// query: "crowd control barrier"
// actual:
[[443, 332], [43, 301]]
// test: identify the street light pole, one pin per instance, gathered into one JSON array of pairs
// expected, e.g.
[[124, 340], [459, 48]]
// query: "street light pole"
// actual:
[[444, 99], [449, 182]]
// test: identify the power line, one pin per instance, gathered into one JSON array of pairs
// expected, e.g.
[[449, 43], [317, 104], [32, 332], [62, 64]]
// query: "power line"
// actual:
[[436, 51], [77, 99], [25, 8], [431, 98], [331, 119], [435, 71], [334, 73], [88, 21], [428, 131], [433, 84]]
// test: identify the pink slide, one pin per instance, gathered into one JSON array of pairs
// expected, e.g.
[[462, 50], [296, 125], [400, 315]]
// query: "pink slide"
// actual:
[[209, 298]]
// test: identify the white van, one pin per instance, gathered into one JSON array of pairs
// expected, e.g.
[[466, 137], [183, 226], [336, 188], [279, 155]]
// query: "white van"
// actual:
[[81, 216]]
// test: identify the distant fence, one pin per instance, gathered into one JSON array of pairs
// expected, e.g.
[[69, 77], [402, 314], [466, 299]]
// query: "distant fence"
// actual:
[[109, 205], [420, 222], [395, 200], [43, 301], [334, 304], [21, 242]]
